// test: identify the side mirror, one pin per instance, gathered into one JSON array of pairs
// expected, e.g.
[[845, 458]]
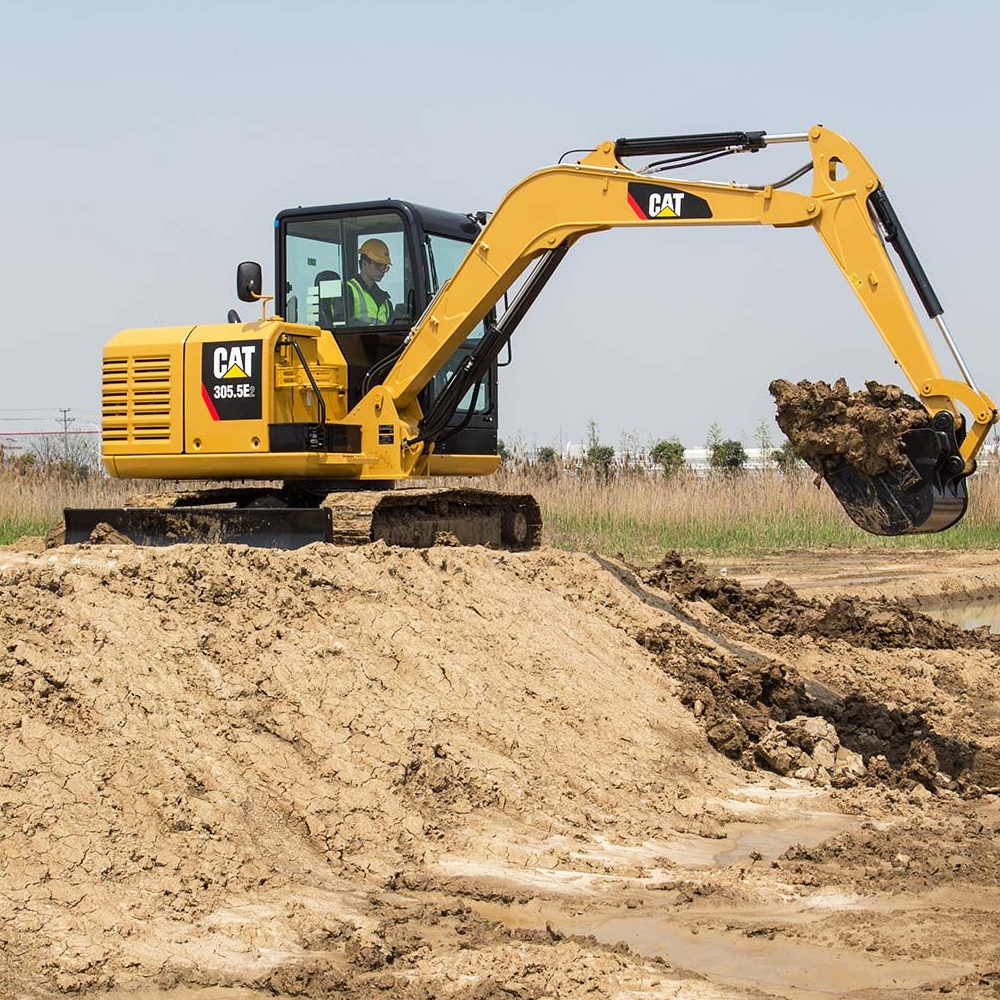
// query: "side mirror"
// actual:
[[249, 281]]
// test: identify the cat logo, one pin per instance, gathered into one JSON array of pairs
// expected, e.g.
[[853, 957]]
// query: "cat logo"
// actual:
[[666, 204], [657, 201], [234, 361]]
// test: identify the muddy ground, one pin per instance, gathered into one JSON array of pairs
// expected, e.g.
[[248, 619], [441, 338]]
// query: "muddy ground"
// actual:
[[349, 773]]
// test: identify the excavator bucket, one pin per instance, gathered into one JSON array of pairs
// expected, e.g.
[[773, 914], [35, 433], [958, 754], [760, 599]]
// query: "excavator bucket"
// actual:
[[928, 494]]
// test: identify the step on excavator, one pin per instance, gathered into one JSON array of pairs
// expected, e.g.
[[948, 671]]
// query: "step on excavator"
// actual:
[[378, 370]]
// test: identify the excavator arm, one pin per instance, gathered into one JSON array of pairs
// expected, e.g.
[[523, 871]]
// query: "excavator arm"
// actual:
[[540, 219]]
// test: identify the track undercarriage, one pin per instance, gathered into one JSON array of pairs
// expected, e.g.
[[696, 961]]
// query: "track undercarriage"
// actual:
[[294, 515]]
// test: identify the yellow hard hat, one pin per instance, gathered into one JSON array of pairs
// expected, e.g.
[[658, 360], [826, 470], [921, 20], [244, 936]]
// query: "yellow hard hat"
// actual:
[[375, 250]]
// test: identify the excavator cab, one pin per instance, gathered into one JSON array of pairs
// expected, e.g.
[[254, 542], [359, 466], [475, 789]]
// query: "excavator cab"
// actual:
[[324, 278]]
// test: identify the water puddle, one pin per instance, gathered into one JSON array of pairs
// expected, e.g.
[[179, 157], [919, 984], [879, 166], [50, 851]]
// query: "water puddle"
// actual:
[[784, 967], [771, 821], [968, 614], [736, 945], [853, 581], [771, 843], [759, 842]]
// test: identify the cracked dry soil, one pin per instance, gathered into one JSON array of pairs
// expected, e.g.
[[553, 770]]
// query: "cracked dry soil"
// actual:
[[342, 773]]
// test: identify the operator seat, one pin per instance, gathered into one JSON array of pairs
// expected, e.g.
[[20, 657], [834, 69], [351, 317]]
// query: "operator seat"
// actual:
[[330, 291]]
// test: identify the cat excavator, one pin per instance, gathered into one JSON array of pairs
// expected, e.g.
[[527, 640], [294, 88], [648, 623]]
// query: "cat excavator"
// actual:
[[378, 369]]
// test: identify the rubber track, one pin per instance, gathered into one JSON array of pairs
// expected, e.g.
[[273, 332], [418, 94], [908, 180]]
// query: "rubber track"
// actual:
[[354, 513]]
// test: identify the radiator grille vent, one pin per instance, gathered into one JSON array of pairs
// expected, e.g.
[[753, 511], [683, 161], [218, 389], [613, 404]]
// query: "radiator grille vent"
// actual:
[[135, 399]]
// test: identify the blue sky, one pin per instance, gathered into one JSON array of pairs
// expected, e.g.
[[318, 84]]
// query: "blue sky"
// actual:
[[148, 148]]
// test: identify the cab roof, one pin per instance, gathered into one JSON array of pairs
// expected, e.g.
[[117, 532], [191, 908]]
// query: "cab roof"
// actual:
[[422, 217]]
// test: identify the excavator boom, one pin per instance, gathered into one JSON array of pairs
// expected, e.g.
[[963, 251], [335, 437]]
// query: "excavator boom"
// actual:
[[546, 213]]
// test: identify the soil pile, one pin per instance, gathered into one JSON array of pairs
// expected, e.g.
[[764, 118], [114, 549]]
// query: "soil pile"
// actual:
[[776, 609], [193, 731], [312, 773], [829, 424]]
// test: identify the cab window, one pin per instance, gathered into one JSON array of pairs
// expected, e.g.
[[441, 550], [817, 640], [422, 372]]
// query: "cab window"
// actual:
[[351, 272]]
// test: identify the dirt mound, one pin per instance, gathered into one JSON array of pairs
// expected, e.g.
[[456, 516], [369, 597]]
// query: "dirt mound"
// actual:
[[827, 424], [776, 609], [105, 534], [187, 728], [295, 772]]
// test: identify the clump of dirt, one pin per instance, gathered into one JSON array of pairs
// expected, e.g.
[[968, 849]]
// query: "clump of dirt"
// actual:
[[760, 712], [923, 852], [755, 711], [105, 534], [765, 713], [736, 699], [829, 424], [55, 536]]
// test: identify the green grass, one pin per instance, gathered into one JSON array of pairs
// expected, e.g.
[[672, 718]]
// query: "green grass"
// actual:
[[11, 529], [32, 501], [644, 540]]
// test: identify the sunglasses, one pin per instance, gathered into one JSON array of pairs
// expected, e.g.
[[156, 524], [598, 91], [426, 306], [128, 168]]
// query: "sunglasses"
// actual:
[[375, 263]]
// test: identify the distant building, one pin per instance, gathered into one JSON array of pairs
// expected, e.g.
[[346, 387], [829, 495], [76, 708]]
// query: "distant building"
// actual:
[[696, 459]]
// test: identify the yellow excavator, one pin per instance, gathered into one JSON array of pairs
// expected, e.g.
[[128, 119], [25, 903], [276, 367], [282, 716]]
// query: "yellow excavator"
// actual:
[[380, 365]]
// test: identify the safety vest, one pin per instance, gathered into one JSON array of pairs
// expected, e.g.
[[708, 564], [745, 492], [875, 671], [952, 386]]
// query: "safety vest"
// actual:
[[366, 311]]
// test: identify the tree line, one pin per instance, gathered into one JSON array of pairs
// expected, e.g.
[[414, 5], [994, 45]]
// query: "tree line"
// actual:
[[665, 455]]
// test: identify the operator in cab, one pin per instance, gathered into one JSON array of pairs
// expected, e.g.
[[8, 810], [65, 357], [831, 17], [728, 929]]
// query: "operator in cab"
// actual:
[[369, 305]]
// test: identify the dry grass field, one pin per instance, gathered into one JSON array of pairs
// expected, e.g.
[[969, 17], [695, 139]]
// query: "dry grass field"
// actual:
[[32, 501], [636, 515]]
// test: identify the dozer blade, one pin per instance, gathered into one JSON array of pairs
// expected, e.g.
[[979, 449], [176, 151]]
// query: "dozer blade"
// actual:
[[921, 497], [271, 528]]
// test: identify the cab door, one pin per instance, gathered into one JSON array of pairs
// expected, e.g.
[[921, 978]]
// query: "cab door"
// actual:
[[473, 428], [329, 281]]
